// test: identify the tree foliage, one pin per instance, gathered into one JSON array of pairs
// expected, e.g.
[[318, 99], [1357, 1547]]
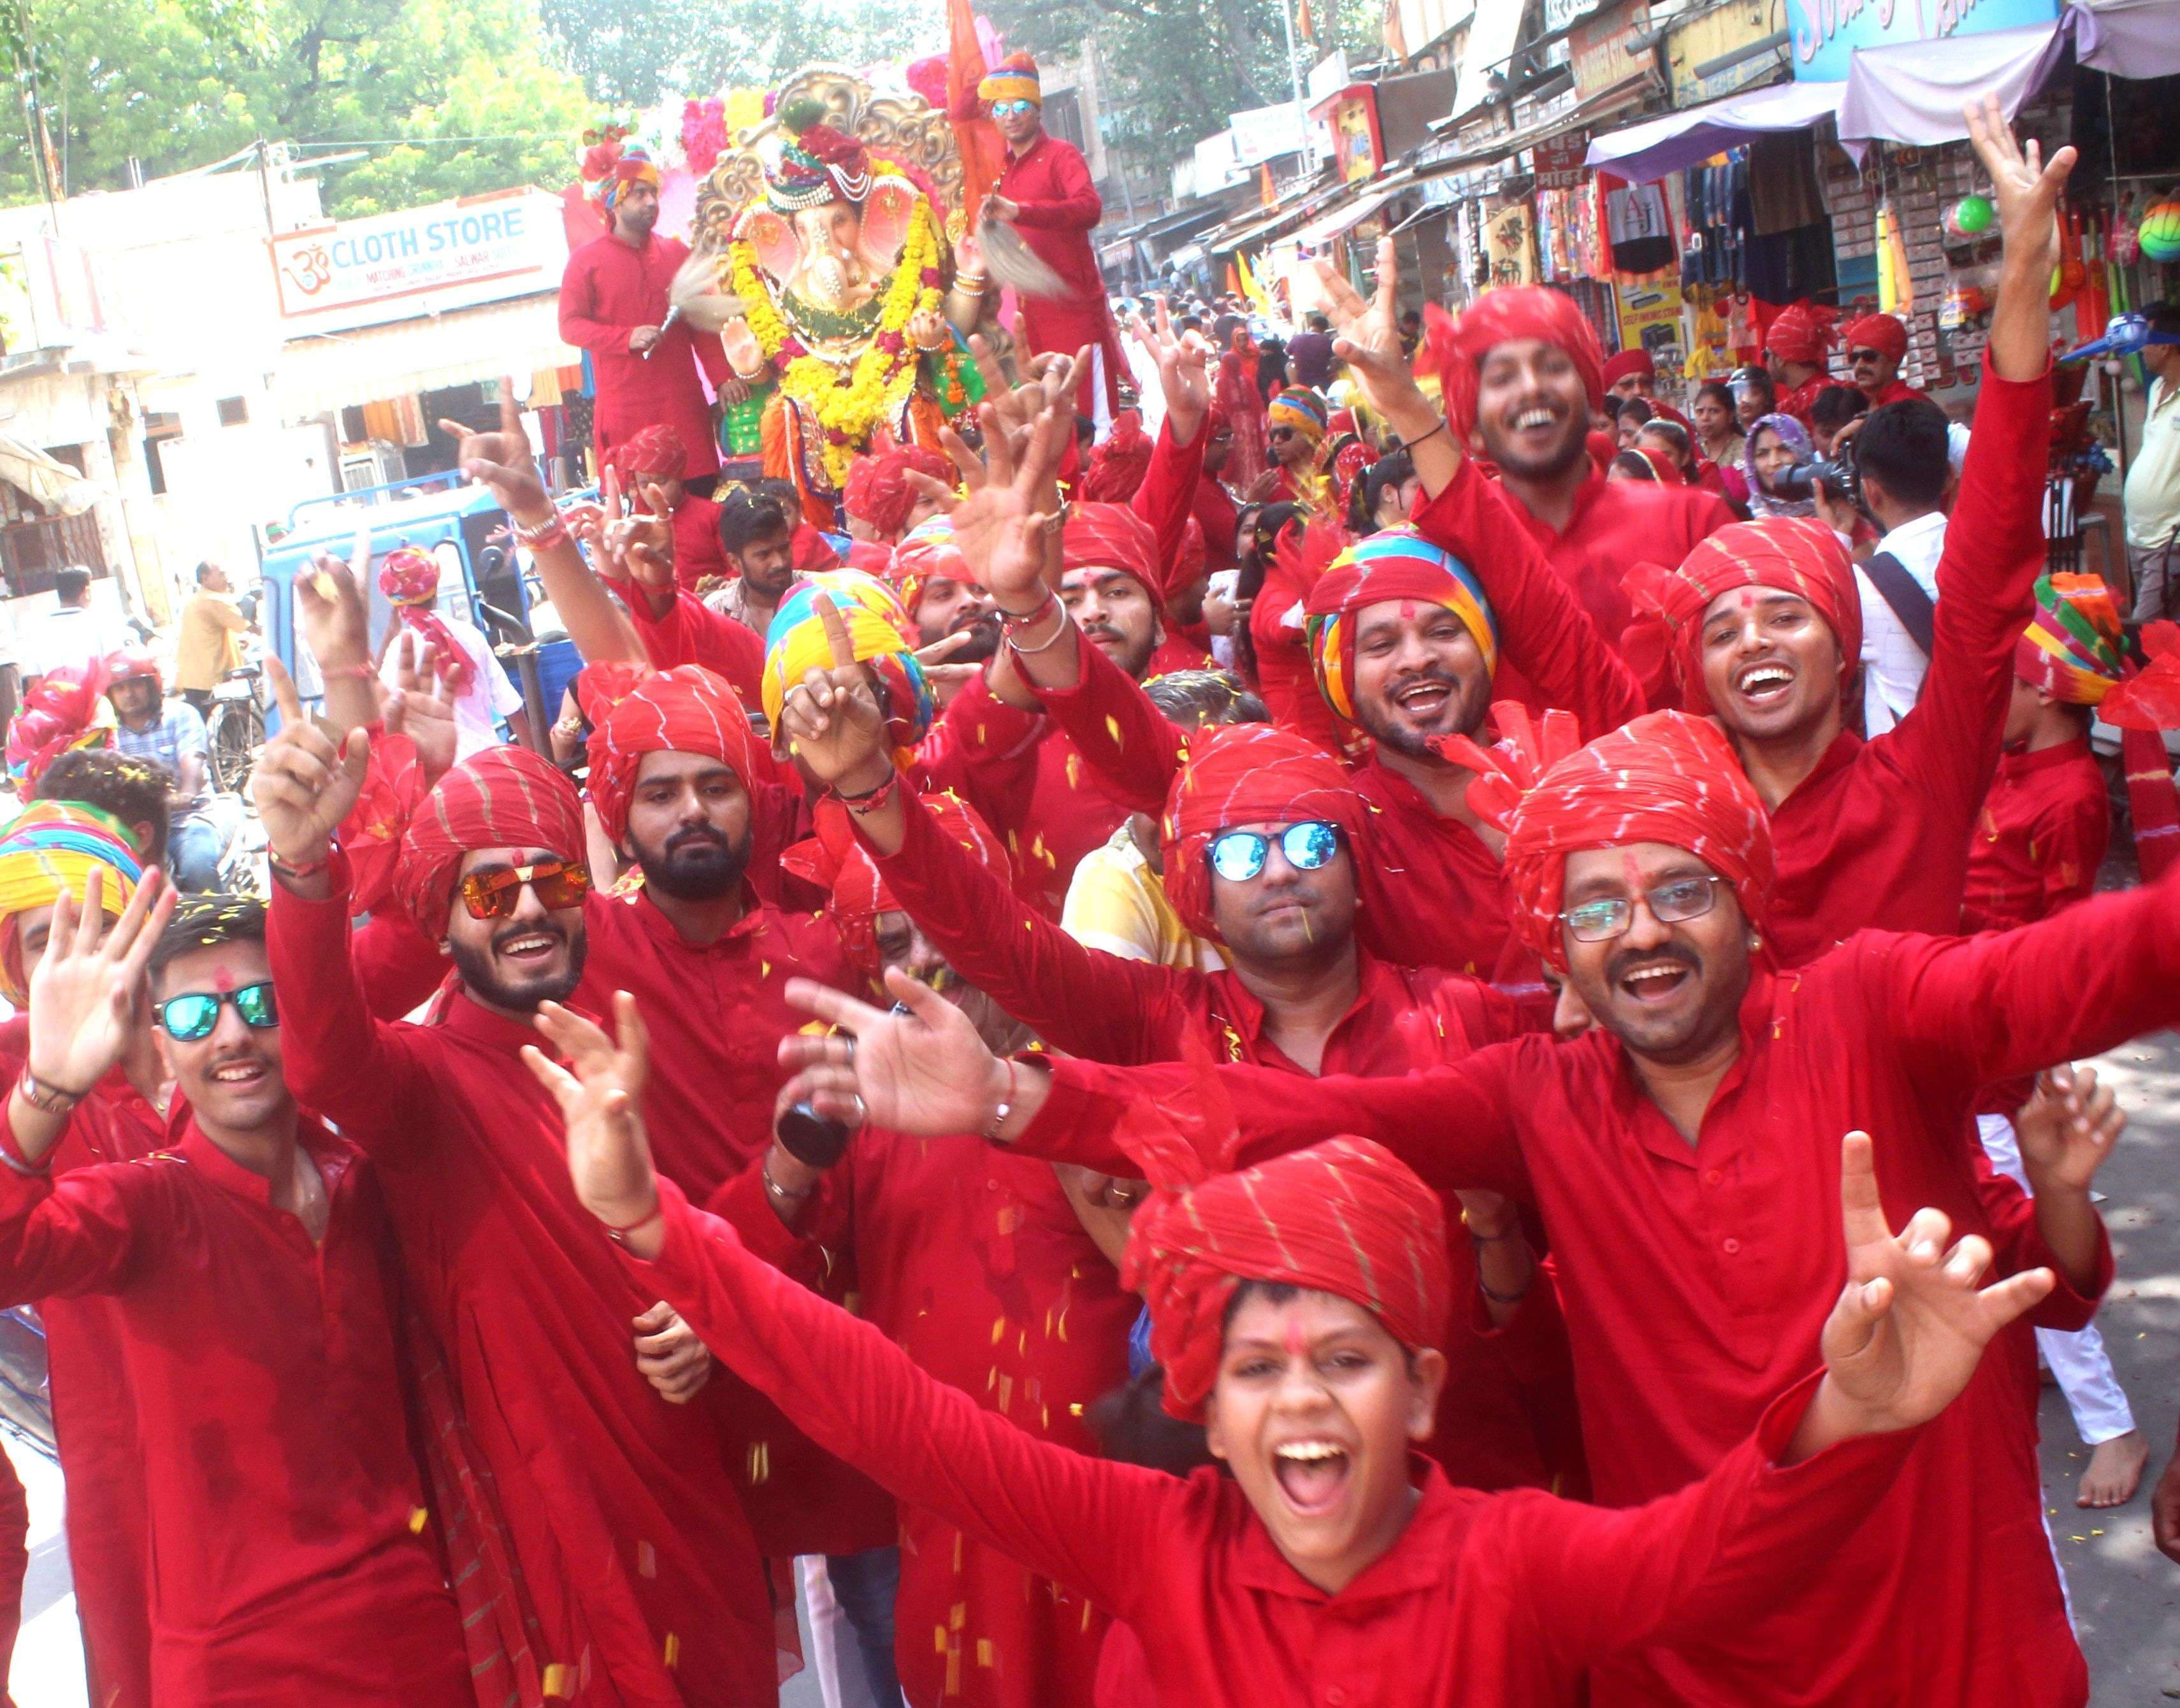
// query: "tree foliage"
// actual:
[[638, 53], [411, 85]]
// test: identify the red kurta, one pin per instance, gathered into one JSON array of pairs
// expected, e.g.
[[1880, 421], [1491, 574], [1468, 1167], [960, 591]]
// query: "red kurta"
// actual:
[[971, 1260], [609, 290], [2041, 837], [1895, 391], [624, 1520], [1696, 1277], [1801, 402], [1049, 181], [1502, 1599], [697, 551], [1091, 1004], [286, 1557], [1877, 836]]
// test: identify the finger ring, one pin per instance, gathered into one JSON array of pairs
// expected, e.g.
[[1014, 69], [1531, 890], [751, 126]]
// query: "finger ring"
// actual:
[[851, 1050], [863, 1110]]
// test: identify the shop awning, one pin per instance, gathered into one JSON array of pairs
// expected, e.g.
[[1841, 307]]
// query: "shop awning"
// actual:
[[1342, 219], [376, 364], [51, 481], [1673, 140]]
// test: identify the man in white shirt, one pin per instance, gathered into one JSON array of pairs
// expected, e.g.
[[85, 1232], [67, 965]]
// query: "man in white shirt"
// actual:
[[70, 634], [1907, 477], [2152, 492]]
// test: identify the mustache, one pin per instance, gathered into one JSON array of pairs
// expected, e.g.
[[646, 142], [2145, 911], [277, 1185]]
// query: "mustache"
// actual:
[[1101, 631], [695, 833], [1627, 960], [984, 641], [507, 935]]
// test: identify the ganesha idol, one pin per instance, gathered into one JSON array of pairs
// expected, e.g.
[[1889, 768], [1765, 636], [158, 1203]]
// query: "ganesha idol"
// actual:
[[852, 309]]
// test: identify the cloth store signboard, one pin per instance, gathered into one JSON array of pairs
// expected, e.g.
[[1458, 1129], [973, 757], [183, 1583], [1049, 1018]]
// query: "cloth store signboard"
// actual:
[[1825, 33]]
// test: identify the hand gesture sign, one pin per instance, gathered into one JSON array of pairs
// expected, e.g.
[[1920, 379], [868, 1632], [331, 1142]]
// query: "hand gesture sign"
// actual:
[[831, 720], [2067, 1128], [422, 706], [330, 606], [1184, 365], [85, 992], [600, 1093], [997, 524], [924, 1072], [635, 540], [1367, 339], [501, 460], [2026, 189], [303, 785], [1909, 1328]]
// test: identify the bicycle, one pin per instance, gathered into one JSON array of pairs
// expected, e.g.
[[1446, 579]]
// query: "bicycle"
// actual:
[[236, 727]]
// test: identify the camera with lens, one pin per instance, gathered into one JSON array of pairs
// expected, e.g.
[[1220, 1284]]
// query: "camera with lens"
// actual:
[[1837, 474]]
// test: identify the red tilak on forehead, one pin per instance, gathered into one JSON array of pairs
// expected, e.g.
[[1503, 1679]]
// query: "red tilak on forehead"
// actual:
[[1297, 1343], [222, 981], [1631, 871], [1407, 611]]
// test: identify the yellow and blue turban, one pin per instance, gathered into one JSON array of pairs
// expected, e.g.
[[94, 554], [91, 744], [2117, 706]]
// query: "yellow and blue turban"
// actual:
[[1300, 408], [881, 633], [53, 846], [634, 166], [1396, 564], [1015, 77]]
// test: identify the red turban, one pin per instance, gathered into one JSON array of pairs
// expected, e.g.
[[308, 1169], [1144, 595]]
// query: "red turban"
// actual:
[[1345, 1217], [878, 490], [1246, 773], [812, 551], [1634, 362], [409, 577], [1796, 554], [657, 452], [836, 862], [1502, 317], [55, 717], [1118, 464], [1112, 537], [1666, 777], [683, 710], [929, 548], [1802, 333], [504, 797], [1883, 333]]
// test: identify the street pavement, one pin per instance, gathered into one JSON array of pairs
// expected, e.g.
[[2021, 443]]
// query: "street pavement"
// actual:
[[2126, 1595]]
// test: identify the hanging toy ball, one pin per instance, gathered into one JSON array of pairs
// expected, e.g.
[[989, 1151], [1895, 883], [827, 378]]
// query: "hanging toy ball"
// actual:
[[1971, 215], [2158, 234]]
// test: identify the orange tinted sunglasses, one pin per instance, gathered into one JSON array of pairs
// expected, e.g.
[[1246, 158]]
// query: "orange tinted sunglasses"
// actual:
[[497, 894]]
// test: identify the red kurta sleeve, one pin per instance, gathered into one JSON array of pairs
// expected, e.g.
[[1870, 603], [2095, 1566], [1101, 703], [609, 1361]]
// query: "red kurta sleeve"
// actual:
[[1543, 631], [400, 966], [1132, 746], [1947, 745], [1087, 1523], [1596, 1581], [2013, 1002], [582, 314], [1077, 999], [1071, 203], [1453, 1125], [690, 632], [1167, 498], [72, 1236], [2017, 1244]]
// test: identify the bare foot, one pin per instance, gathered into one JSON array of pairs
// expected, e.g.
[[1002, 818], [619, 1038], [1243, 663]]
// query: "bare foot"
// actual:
[[2114, 1471]]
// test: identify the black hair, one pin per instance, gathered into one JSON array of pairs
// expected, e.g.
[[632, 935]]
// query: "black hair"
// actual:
[[2165, 317], [1675, 436], [1836, 406], [204, 570], [746, 517], [131, 790], [71, 583], [1271, 367], [1133, 1428], [1904, 446], [1196, 699], [1086, 430], [1718, 389], [1188, 323], [1319, 322], [1279, 1292], [1393, 470], [205, 922], [1631, 406], [1222, 329], [1636, 463], [1272, 521]]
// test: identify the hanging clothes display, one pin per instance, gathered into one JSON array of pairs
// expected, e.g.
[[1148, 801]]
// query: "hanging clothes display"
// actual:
[[1639, 228]]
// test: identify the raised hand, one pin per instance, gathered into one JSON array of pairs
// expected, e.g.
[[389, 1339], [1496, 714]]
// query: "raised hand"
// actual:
[[926, 1072], [1912, 1323], [1367, 339], [303, 785], [600, 1092], [331, 607], [422, 706], [2025, 187], [670, 1356], [831, 720], [997, 523], [1184, 365], [501, 460], [2067, 1128], [84, 992], [636, 540]]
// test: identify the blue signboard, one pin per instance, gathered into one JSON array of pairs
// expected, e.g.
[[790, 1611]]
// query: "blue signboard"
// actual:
[[1825, 33]]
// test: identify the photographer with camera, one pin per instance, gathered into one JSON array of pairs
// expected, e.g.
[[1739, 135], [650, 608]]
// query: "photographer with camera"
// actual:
[[1901, 454]]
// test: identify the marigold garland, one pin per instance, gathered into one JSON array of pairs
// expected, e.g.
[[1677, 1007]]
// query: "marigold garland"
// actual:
[[848, 407]]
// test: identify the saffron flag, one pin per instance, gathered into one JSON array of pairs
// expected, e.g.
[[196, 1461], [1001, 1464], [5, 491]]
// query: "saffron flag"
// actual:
[[983, 152]]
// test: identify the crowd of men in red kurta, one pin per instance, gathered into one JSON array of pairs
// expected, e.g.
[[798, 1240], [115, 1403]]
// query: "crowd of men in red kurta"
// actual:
[[1480, 1202]]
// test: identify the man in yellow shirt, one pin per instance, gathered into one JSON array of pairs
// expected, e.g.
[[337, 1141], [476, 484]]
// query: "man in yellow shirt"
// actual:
[[207, 649]]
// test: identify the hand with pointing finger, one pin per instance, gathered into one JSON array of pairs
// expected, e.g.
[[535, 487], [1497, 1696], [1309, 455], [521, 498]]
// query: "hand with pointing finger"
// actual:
[[303, 785], [502, 461], [924, 1072], [832, 719], [1367, 339]]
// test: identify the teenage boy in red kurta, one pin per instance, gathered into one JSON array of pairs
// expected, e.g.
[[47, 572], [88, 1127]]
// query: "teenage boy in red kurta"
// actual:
[[1297, 1308], [1678, 1154], [288, 1540]]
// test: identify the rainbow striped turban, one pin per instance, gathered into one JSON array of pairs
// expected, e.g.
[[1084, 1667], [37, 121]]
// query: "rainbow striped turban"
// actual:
[[2070, 649], [1396, 564], [634, 165], [882, 635], [1300, 408], [1015, 77], [53, 846]]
